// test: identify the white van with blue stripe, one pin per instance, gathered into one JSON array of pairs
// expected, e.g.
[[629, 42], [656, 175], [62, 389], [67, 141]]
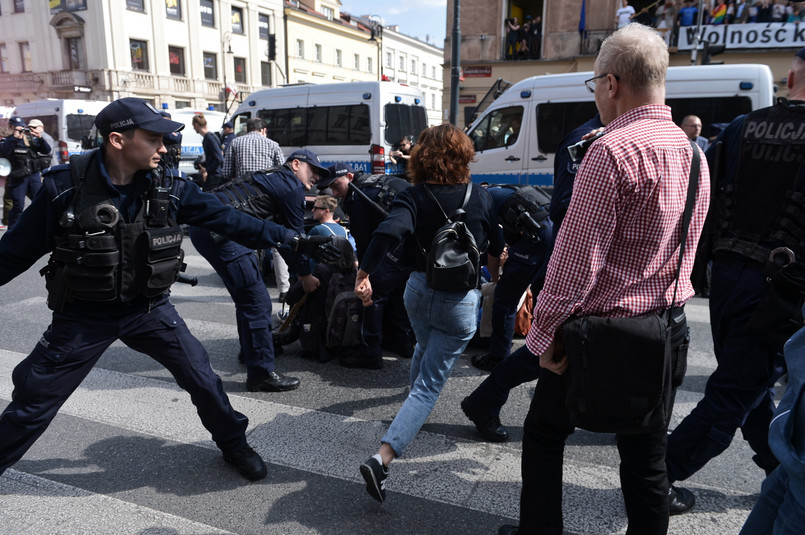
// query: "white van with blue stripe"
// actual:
[[358, 122], [516, 137]]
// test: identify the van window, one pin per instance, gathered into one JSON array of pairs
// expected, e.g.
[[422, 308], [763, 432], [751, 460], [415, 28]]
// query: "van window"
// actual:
[[404, 120], [555, 120], [715, 112], [321, 125], [339, 125], [51, 124], [499, 128], [79, 125]]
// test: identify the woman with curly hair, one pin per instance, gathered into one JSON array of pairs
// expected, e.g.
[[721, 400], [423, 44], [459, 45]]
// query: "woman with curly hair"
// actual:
[[443, 322]]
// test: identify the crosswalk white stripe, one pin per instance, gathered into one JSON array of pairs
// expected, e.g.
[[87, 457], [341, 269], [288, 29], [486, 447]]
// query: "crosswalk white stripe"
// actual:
[[479, 476]]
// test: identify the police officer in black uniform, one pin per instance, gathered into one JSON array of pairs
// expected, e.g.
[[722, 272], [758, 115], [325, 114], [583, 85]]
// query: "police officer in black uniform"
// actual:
[[277, 196], [23, 148], [758, 222], [111, 221], [365, 199]]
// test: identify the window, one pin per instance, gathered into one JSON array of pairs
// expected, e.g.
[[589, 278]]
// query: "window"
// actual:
[[131, 5], [25, 56], [413, 66], [265, 73], [433, 101], [328, 12], [321, 125], [181, 104], [262, 26], [73, 45], [207, 13], [369, 66], [318, 53], [389, 59], [237, 20], [173, 9], [501, 128], [176, 60], [357, 62], [424, 70], [712, 111], [78, 124], [210, 66], [3, 58], [404, 120], [338, 58], [300, 49], [240, 70], [434, 73], [402, 64], [139, 55], [19, 6]]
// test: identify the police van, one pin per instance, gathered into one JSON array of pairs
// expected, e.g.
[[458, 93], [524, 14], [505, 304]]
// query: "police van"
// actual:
[[66, 120], [191, 141], [517, 136], [358, 122]]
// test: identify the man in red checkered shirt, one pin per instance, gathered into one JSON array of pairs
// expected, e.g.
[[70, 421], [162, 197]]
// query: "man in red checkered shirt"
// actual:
[[616, 255]]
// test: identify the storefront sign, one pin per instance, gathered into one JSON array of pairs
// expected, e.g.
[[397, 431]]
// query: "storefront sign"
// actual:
[[477, 71]]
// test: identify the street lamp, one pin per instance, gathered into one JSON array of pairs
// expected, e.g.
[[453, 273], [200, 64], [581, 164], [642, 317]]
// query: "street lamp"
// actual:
[[376, 27], [226, 43]]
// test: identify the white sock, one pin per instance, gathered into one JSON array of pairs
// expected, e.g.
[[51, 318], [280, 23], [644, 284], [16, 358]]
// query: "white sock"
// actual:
[[380, 460]]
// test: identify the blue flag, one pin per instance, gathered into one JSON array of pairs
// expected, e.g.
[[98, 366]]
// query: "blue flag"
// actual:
[[582, 18]]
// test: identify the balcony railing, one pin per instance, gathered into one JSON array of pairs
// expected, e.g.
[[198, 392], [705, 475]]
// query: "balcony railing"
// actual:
[[68, 78], [26, 81]]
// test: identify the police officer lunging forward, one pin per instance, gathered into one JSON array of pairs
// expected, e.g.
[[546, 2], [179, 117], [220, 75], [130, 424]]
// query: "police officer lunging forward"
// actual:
[[112, 222]]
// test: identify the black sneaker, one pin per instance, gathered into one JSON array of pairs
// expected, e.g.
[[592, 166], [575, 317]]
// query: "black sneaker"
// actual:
[[375, 475], [680, 500], [485, 362], [248, 463]]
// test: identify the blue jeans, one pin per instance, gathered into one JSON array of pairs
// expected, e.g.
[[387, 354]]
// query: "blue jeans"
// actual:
[[776, 512], [443, 324]]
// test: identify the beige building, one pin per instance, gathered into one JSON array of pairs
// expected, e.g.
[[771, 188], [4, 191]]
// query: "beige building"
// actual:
[[326, 45], [184, 53], [181, 53], [563, 48]]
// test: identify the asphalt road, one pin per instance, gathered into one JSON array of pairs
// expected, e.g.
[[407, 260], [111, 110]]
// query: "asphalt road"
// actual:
[[128, 455]]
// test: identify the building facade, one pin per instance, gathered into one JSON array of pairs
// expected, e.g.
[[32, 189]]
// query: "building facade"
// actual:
[[568, 41], [181, 53], [200, 54]]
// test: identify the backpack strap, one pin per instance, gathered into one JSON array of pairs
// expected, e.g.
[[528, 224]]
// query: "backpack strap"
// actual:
[[460, 210]]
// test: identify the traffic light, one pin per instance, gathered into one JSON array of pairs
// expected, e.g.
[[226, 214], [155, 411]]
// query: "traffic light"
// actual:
[[709, 51], [272, 47]]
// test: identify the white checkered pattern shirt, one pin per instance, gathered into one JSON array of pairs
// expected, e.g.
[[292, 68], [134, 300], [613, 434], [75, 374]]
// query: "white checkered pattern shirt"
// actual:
[[618, 248], [251, 152]]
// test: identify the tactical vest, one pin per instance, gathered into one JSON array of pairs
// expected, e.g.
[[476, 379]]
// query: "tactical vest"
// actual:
[[523, 213], [245, 195], [765, 205], [23, 162], [99, 257], [387, 186]]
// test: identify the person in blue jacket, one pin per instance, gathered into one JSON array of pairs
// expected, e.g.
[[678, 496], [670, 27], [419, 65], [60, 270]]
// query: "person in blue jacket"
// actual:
[[780, 509], [237, 265], [111, 221]]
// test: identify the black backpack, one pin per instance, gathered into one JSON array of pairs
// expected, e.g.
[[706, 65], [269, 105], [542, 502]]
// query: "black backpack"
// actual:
[[344, 311], [452, 263], [524, 213]]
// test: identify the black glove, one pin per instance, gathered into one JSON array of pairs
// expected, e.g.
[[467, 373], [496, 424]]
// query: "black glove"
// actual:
[[319, 248]]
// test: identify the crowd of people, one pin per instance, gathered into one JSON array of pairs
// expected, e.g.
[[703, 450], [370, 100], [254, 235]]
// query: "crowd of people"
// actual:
[[523, 41], [616, 242]]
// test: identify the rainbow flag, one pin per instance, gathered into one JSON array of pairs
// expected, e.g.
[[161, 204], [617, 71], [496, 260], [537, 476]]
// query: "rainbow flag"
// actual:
[[719, 14]]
